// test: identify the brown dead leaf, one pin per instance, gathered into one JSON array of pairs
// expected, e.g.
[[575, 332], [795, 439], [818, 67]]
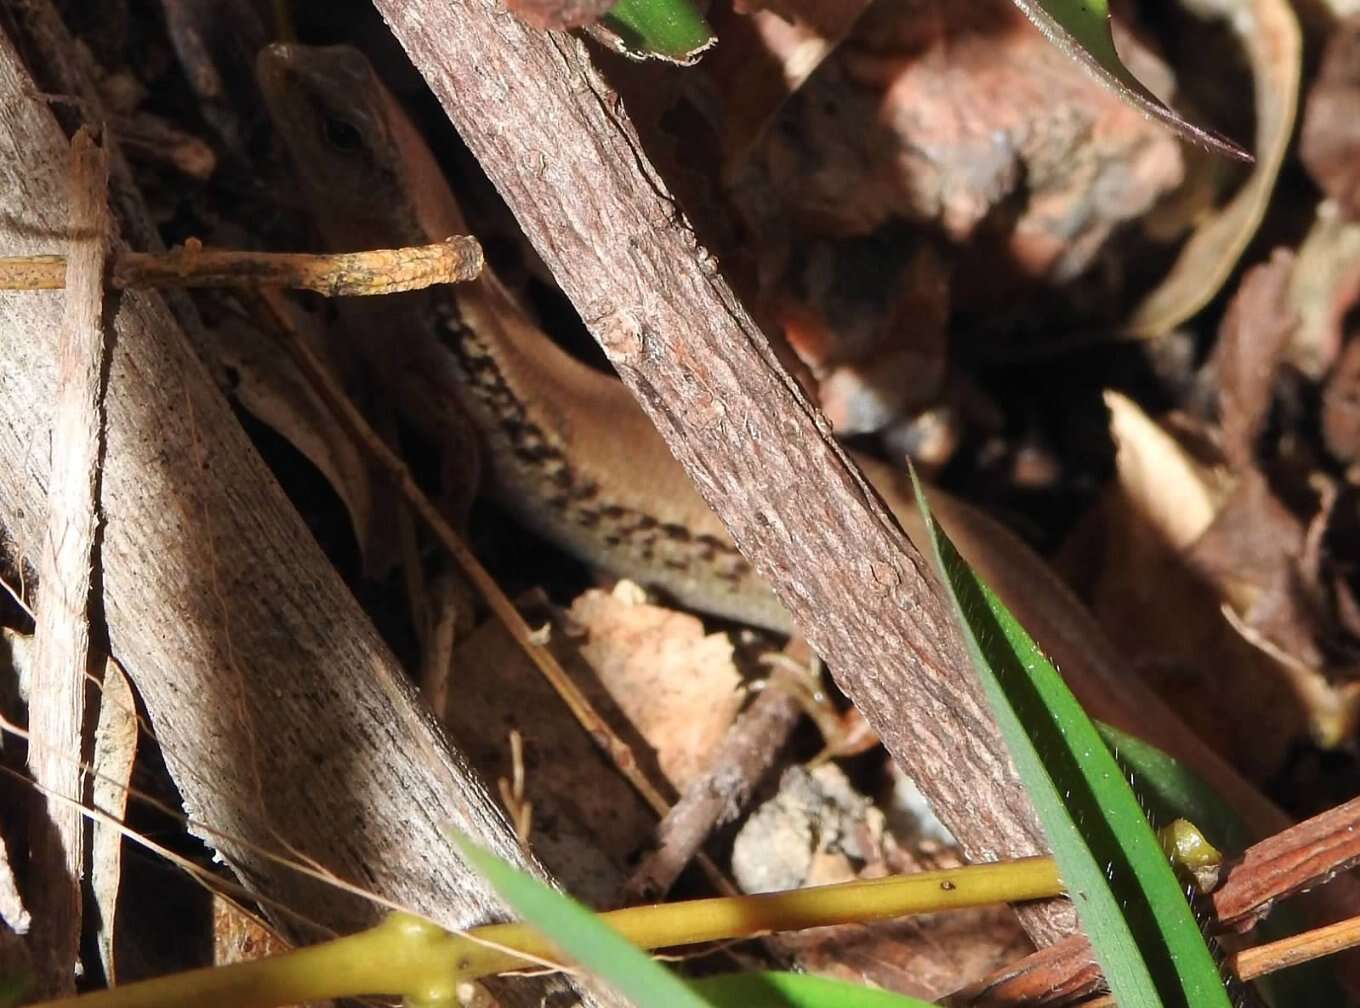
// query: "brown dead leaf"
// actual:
[[1270, 33], [1166, 617], [1341, 406], [938, 112], [1329, 143], [1249, 553], [676, 684], [1251, 343], [1326, 284], [558, 15]]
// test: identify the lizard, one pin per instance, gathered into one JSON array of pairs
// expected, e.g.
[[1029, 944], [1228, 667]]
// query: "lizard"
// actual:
[[570, 453]]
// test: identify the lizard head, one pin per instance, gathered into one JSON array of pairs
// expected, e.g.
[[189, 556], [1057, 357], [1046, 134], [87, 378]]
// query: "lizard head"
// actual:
[[349, 142]]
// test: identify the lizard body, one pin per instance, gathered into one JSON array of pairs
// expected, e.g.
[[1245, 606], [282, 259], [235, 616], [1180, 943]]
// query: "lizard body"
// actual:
[[571, 453]]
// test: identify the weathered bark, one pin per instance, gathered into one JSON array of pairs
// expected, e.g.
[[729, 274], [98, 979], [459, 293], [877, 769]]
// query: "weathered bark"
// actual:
[[559, 146], [285, 721]]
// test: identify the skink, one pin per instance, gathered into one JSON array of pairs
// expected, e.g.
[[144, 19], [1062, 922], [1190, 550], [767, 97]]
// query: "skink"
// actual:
[[571, 454]]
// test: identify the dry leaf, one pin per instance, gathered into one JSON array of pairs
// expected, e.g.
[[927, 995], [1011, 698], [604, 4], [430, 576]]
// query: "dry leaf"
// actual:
[[1326, 285], [676, 684], [1329, 143], [1251, 343], [558, 15], [1166, 618], [1270, 33], [1172, 492]]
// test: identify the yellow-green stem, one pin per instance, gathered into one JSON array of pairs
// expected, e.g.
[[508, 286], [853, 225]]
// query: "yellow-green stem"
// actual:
[[408, 956]]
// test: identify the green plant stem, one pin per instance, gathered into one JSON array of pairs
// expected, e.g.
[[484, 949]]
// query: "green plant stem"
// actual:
[[402, 954], [408, 956], [726, 918]]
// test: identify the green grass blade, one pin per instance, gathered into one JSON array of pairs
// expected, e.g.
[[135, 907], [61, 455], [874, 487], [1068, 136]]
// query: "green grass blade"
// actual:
[[581, 936], [795, 990], [671, 30], [1081, 29], [1170, 790], [1142, 929]]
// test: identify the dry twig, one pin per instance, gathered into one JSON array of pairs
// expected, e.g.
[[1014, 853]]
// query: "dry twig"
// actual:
[[379, 271]]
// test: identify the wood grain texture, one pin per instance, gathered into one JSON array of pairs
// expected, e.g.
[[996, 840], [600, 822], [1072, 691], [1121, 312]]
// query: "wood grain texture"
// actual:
[[56, 708], [284, 719], [557, 143]]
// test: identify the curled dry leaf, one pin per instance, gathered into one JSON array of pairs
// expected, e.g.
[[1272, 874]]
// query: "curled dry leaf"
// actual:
[[1177, 495], [1329, 143], [1164, 615], [1270, 33], [1251, 344]]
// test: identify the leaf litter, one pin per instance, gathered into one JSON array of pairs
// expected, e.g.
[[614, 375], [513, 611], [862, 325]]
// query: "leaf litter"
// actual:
[[918, 196]]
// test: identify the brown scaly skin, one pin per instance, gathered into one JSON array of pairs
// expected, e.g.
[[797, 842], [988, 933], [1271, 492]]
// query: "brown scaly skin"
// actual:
[[570, 452]]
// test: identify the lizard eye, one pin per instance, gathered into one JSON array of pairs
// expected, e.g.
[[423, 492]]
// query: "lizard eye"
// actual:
[[343, 136]]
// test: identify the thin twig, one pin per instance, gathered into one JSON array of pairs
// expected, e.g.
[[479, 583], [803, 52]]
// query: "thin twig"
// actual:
[[721, 792], [57, 690], [378, 271], [1255, 962]]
